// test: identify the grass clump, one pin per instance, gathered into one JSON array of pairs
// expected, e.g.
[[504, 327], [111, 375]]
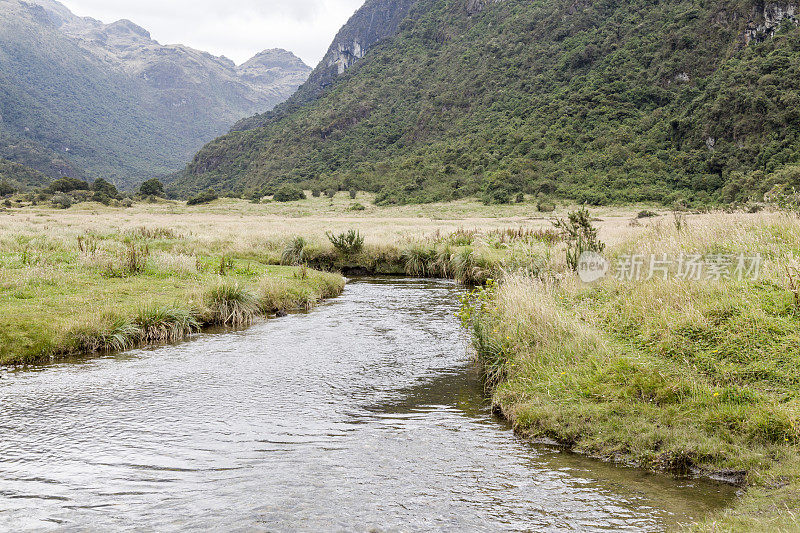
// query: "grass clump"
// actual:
[[295, 252], [230, 304], [161, 325]]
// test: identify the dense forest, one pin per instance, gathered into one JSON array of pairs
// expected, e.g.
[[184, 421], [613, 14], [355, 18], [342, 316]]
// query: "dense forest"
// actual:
[[605, 101]]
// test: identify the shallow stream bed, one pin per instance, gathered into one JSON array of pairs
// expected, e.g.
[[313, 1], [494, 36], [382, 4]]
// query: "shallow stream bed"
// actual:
[[365, 414]]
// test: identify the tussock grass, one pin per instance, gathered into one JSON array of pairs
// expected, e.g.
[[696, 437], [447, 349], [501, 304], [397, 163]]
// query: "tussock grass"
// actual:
[[161, 325], [230, 304], [279, 295]]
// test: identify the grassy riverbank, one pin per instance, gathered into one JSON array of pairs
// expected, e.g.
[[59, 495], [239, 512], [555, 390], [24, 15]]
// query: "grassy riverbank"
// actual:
[[94, 278], [699, 376]]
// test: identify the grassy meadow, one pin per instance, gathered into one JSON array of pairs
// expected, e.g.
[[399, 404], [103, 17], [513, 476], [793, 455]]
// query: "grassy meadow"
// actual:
[[94, 278], [697, 376]]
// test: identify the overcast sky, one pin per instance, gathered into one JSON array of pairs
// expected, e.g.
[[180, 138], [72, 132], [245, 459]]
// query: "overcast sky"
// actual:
[[237, 29]]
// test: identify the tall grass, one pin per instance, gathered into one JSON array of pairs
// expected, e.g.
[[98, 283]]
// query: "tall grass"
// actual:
[[295, 252], [161, 325], [230, 304]]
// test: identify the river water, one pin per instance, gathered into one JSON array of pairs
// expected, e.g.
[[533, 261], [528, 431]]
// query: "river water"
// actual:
[[363, 415]]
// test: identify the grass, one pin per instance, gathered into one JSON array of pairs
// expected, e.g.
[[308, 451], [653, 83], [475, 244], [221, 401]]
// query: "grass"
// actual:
[[86, 283], [677, 375]]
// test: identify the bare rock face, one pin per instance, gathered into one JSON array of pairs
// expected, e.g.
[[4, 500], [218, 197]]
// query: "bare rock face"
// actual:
[[374, 22], [766, 19]]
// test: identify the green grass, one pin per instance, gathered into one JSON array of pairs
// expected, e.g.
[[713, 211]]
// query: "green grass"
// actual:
[[682, 376], [56, 300]]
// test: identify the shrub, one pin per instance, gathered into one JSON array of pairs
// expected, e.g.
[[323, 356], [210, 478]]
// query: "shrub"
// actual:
[[289, 193], [353, 194], [647, 214], [520, 198], [357, 207], [580, 236], [203, 198], [316, 193], [68, 185], [101, 186], [330, 193], [62, 201], [6, 189], [349, 243], [295, 252], [545, 207], [152, 187], [229, 304]]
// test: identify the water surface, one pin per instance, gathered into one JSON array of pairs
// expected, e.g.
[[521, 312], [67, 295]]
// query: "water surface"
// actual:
[[364, 414]]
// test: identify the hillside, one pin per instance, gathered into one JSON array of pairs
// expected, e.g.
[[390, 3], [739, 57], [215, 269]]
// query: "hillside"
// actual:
[[112, 102], [601, 101]]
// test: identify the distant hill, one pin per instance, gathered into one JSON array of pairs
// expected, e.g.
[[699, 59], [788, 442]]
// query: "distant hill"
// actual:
[[105, 100], [600, 101]]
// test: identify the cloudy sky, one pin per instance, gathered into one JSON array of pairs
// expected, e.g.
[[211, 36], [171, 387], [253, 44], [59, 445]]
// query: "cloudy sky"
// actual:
[[237, 29]]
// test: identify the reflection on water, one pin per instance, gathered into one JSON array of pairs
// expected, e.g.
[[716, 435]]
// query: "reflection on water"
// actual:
[[362, 415]]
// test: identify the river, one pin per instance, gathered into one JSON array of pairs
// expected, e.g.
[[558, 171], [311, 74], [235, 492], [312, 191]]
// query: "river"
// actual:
[[364, 414]]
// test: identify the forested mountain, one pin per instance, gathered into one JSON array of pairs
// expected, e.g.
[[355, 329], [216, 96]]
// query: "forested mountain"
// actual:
[[604, 100], [79, 97]]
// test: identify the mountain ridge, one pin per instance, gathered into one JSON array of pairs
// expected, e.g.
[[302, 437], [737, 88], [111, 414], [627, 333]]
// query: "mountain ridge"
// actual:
[[599, 101], [114, 102]]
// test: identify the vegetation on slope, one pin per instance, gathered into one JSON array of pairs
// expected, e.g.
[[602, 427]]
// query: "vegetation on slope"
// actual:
[[595, 101]]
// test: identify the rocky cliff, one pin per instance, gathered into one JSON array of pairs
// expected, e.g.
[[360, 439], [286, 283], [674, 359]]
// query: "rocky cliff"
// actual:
[[374, 22]]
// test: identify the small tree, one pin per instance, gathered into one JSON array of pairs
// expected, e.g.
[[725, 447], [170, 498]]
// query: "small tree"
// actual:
[[68, 185], [353, 194], [152, 187], [289, 193], [580, 236], [101, 186], [6, 188]]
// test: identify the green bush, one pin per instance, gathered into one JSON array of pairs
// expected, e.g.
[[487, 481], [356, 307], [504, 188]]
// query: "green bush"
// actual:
[[349, 243], [62, 201], [203, 198], [152, 187], [6, 189], [68, 185], [289, 193]]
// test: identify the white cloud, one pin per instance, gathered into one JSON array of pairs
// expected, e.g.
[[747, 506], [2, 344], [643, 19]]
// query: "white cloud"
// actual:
[[237, 29]]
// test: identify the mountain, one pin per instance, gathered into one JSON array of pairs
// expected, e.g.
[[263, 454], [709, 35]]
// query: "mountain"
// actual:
[[374, 22], [109, 101], [595, 100]]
